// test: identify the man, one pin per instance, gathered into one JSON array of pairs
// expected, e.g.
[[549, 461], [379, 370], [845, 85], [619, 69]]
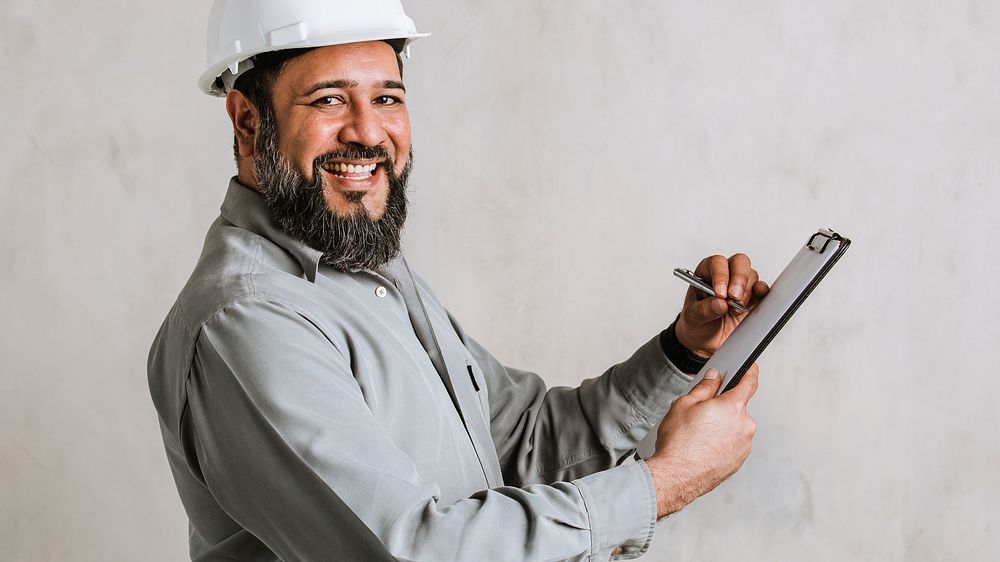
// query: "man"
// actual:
[[305, 373]]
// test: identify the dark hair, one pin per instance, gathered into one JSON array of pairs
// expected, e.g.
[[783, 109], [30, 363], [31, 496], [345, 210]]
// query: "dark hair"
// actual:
[[257, 82]]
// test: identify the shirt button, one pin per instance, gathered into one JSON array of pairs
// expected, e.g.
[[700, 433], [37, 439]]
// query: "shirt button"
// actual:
[[380, 292]]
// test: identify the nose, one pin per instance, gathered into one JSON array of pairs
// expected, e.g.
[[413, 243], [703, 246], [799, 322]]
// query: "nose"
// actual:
[[363, 127]]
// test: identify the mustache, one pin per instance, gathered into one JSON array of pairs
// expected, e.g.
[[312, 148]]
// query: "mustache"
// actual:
[[356, 152]]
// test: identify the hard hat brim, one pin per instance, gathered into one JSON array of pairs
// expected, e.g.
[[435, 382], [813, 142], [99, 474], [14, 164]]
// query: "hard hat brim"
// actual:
[[207, 81]]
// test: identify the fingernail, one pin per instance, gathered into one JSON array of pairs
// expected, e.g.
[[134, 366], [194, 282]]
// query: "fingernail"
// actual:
[[720, 290], [712, 374], [736, 291]]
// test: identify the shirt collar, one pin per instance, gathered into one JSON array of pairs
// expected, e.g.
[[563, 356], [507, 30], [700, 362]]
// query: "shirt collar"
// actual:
[[246, 209]]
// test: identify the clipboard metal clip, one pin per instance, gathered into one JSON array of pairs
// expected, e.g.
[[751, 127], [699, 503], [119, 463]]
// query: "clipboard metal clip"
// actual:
[[828, 235]]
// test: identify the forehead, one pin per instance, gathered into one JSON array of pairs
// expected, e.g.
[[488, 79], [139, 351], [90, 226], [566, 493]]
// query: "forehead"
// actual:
[[372, 62]]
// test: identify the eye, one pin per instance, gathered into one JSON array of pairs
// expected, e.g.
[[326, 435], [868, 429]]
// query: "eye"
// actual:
[[387, 100], [328, 100]]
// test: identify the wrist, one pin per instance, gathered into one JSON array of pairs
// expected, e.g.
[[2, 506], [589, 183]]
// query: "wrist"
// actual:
[[683, 358], [668, 483]]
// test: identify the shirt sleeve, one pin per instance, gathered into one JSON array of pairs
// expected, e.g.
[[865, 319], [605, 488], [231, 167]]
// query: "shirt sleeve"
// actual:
[[280, 430], [560, 433]]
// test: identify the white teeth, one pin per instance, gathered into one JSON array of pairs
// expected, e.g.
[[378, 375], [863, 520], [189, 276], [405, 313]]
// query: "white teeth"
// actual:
[[352, 169]]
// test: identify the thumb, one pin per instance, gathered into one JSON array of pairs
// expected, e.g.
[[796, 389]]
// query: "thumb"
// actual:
[[745, 389], [706, 387]]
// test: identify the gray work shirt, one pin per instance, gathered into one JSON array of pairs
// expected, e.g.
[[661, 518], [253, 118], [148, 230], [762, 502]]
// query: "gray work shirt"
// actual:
[[284, 387]]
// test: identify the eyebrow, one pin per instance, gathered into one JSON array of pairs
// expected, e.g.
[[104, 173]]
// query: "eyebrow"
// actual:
[[345, 84]]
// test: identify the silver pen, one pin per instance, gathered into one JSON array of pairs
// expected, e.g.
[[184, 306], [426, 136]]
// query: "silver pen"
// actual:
[[703, 286]]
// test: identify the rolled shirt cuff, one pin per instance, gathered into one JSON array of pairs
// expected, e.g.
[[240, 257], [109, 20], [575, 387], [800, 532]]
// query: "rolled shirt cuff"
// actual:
[[621, 506], [650, 381]]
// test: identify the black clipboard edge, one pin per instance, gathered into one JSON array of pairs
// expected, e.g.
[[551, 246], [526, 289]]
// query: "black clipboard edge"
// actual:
[[841, 248]]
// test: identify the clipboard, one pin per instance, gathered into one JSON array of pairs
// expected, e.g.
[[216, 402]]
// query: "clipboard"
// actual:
[[798, 280], [792, 287]]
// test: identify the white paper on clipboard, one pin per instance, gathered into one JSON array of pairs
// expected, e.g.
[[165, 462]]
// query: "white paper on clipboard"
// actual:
[[763, 323]]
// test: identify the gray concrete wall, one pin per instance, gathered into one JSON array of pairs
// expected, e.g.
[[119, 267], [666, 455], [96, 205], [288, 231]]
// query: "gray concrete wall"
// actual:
[[568, 156]]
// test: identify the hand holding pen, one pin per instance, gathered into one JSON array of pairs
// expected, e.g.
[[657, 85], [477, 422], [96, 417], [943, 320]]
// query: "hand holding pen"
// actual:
[[722, 292], [703, 286]]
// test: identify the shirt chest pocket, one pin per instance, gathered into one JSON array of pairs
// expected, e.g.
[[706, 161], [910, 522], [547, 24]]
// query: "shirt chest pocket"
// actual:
[[478, 382]]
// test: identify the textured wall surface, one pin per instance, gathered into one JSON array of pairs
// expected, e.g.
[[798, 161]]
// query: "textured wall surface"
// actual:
[[568, 156]]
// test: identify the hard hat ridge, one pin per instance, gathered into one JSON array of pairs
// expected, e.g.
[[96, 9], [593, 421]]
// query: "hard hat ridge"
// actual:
[[240, 29]]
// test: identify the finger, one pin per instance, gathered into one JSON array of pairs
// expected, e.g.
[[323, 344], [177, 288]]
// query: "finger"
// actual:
[[716, 270], [745, 389], [752, 280], [706, 387], [739, 274], [760, 290], [701, 312]]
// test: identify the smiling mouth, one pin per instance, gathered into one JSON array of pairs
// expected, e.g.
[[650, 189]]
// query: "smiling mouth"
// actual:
[[351, 171]]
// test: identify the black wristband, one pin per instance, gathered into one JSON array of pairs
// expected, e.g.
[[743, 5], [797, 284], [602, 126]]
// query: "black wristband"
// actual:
[[680, 356]]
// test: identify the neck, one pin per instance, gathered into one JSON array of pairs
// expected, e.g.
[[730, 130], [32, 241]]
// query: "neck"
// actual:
[[245, 174]]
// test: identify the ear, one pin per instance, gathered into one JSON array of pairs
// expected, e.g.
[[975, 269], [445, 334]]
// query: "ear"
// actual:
[[246, 122]]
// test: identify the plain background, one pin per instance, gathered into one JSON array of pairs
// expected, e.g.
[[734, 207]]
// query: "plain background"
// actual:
[[569, 155]]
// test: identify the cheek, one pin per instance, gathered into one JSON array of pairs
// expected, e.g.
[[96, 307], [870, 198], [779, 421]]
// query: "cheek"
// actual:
[[305, 140], [399, 132]]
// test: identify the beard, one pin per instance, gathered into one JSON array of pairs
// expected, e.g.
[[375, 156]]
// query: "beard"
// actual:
[[354, 242]]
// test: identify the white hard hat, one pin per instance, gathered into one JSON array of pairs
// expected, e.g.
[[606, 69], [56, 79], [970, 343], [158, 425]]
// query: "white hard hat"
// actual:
[[240, 29]]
